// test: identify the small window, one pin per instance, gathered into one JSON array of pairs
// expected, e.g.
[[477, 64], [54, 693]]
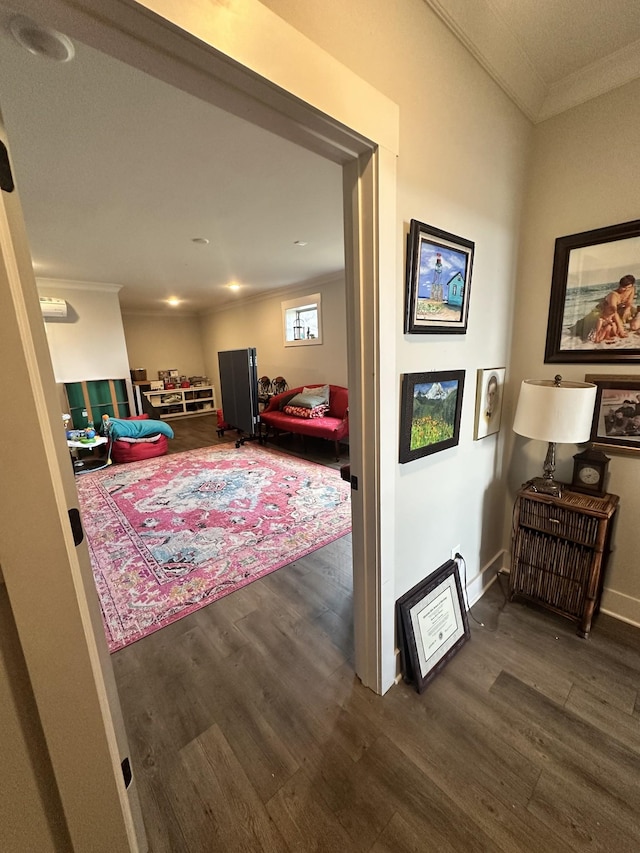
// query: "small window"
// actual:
[[302, 321]]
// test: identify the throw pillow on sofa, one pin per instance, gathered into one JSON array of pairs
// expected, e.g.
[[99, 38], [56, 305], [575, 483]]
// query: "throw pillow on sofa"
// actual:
[[285, 400], [306, 411], [307, 400], [319, 391]]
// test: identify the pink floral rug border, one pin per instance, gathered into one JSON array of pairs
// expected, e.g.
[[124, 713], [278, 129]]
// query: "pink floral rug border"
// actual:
[[170, 535]]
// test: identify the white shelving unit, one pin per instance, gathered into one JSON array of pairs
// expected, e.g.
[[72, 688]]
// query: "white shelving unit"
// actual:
[[183, 402]]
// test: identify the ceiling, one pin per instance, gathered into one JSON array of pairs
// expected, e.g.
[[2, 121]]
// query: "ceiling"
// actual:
[[118, 172], [549, 55]]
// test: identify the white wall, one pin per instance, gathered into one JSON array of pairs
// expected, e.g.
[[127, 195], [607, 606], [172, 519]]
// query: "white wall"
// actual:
[[89, 343], [463, 152], [258, 323], [158, 342], [582, 177]]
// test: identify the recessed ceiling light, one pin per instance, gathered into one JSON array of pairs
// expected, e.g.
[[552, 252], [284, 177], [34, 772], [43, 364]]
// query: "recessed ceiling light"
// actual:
[[41, 41], [300, 243], [201, 240], [173, 300]]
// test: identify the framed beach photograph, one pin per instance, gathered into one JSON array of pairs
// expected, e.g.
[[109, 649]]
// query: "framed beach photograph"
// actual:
[[432, 624], [593, 310], [430, 412], [439, 268], [616, 416], [489, 392]]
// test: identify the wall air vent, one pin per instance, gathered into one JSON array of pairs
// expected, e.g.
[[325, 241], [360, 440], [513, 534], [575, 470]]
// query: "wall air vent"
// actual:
[[53, 309]]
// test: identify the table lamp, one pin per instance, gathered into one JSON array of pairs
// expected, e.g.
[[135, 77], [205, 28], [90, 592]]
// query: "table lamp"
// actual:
[[554, 411]]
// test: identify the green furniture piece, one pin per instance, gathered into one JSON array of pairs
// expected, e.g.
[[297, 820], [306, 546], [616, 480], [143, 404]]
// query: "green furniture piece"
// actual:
[[90, 399]]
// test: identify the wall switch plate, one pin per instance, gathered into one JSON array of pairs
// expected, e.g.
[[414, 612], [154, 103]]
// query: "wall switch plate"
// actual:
[[455, 550]]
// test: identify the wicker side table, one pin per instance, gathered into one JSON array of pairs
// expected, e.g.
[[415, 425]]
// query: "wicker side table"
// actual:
[[560, 550]]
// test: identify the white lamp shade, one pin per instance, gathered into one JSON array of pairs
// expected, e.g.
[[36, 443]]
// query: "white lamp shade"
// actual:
[[560, 413]]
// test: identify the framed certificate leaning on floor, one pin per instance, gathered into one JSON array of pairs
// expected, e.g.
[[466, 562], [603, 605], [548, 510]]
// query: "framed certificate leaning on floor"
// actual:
[[432, 624]]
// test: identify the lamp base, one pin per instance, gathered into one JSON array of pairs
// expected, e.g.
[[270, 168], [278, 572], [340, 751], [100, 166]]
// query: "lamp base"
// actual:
[[546, 486]]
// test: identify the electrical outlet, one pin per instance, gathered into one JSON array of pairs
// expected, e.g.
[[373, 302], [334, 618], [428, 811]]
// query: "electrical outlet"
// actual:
[[455, 550]]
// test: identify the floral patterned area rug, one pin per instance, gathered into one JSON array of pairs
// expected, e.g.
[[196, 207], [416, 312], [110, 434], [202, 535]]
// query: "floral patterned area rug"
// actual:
[[169, 535]]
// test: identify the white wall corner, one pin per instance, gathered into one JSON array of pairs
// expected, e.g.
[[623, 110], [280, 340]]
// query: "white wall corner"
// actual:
[[490, 40]]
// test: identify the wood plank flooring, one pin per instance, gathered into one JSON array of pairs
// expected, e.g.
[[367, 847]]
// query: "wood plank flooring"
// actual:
[[201, 431], [250, 732]]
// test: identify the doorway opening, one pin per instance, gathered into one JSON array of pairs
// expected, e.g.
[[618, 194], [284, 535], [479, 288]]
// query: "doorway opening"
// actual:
[[135, 35]]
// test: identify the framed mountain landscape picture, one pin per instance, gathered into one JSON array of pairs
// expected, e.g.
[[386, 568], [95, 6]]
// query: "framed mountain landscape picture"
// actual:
[[431, 405]]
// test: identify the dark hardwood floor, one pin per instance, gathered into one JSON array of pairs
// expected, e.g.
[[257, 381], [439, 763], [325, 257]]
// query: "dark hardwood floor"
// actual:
[[250, 732], [201, 431]]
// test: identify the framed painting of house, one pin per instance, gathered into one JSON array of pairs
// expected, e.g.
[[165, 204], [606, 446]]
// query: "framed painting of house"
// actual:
[[432, 624], [430, 412], [439, 268], [594, 314]]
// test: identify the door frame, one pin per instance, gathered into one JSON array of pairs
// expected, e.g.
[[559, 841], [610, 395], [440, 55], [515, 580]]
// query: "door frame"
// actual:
[[297, 90], [49, 581]]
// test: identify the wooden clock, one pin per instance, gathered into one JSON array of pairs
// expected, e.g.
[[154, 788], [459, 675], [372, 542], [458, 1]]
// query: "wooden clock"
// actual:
[[590, 472]]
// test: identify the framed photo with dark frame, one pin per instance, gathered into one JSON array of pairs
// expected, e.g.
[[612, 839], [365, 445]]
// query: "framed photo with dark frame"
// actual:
[[432, 624], [593, 310], [439, 266], [616, 416], [431, 405]]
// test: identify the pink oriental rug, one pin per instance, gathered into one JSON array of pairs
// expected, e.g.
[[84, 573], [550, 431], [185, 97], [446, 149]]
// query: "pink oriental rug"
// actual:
[[169, 535]]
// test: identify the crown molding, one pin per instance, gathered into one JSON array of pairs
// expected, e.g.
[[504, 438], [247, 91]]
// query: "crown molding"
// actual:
[[489, 39], [290, 292], [596, 79], [169, 314], [78, 285], [492, 43]]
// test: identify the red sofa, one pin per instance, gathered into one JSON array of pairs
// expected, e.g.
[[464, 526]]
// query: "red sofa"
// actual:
[[334, 426]]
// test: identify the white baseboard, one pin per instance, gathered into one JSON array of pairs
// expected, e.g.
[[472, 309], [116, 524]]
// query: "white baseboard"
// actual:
[[616, 604], [624, 607], [621, 606], [480, 582]]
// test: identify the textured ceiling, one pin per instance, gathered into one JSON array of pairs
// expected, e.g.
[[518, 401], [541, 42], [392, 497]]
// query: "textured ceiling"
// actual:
[[549, 55], [118, 172]]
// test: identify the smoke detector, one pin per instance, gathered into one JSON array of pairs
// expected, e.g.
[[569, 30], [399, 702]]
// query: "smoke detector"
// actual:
[[41, 41]]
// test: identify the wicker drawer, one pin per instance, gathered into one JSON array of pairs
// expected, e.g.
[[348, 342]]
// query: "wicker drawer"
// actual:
[[551, 571], [559, 552], [559, 521]]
